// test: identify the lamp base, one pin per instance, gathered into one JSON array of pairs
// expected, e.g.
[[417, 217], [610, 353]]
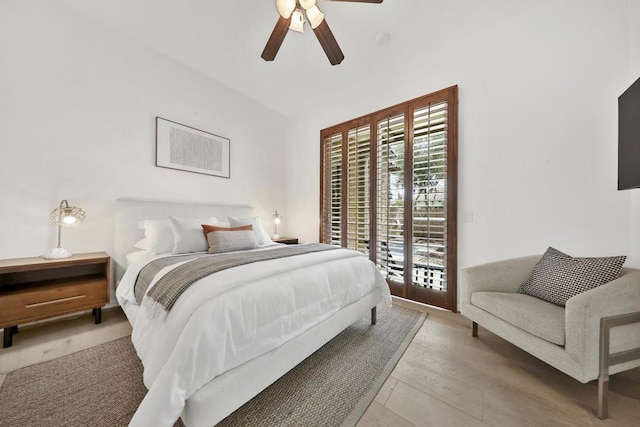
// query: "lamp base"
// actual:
[[56, 253], [275, 236]]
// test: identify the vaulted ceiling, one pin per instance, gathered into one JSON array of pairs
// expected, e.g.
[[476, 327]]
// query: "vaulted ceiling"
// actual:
[[223, 39]]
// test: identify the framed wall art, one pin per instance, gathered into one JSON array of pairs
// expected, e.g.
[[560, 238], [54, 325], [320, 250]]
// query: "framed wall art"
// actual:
[[185, 148]]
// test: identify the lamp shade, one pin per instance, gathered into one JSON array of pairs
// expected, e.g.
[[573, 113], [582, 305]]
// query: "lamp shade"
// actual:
[[286, 7], [307, 4], [67, 216], [276, 218], [297, 21], [315, 16]]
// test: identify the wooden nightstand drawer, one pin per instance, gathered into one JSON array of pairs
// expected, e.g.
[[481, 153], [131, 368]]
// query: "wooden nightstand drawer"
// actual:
[[33, 289], [41, 300]]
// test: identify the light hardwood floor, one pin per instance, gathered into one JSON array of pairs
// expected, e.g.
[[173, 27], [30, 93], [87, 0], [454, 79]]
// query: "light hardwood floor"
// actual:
[[449, 378], [445, 378]]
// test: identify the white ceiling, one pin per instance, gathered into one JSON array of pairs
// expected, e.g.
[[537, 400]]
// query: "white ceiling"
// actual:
[[224, 40]]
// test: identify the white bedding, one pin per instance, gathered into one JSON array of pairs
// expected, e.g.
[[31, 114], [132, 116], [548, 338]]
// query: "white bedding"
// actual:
[[234, 316]]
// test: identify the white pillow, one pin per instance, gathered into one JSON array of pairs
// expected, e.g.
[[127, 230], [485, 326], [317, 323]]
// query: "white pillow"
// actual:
[[188, 235], [135, 256], [262, 238], [143, 244], [158, 236]]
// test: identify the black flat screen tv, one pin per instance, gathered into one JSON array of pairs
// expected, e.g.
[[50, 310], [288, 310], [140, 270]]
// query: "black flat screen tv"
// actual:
[[629, 138]]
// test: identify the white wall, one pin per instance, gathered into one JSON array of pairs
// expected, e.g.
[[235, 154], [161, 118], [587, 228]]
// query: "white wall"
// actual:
[[634, 74], [537, 127], [77, 121]]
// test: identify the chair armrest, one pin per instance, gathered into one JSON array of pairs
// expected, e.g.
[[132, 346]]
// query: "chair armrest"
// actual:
[[584, 311], [500, 276], [608, 359]]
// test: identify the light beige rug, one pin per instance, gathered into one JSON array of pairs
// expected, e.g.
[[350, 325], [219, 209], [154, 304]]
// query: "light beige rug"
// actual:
[[102, 386]]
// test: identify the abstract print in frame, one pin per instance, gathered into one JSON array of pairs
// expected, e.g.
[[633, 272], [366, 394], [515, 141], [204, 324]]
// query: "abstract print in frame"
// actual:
[[185, 148]]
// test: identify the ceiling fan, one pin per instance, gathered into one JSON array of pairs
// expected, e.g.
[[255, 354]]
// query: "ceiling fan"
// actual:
[[292, 13]]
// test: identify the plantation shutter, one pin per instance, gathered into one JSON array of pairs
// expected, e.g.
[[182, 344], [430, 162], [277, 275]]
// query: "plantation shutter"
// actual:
[[332, 190], [358, 188], [390, 189], [429, 210]]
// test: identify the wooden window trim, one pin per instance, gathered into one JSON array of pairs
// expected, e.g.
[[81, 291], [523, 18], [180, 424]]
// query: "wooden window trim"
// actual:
[[450, 95]]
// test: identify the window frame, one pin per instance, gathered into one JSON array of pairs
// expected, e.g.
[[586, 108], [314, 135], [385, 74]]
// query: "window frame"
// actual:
[[447, 299]]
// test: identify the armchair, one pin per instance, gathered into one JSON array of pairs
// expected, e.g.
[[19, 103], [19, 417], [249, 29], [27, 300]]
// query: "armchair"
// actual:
[[567, 338]]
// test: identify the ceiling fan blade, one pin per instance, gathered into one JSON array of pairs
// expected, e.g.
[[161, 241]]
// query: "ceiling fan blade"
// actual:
[[276, 38], [328, 43], [360, 1]]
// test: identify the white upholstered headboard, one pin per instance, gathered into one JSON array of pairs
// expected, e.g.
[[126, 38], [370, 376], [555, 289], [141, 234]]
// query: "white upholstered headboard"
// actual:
[[129, 212]]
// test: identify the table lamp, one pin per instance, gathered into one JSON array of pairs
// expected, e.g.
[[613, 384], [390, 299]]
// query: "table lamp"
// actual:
[[64, 216], [276, 220]]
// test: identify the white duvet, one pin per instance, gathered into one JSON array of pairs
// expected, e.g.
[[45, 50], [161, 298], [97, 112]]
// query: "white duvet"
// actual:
[[235, 315]]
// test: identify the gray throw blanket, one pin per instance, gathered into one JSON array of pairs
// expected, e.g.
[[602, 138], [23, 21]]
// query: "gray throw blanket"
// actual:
[[149, 271], [170, 286]]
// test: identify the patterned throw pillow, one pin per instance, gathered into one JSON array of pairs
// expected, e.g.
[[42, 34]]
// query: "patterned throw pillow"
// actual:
[[221, 239], [558, 276]]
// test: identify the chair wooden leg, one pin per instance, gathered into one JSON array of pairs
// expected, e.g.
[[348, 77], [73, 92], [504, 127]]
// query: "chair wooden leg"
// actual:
[[474, 329], [374, 315]]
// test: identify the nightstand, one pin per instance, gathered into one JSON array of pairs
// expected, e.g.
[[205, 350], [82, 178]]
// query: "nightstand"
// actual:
[[33, 289], [287, 240]]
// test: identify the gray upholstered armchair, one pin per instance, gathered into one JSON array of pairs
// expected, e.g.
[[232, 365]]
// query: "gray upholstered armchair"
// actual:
[[567, 338]]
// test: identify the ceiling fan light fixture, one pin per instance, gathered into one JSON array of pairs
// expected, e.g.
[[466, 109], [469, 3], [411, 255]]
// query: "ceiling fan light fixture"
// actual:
[[297, 21], [315, 16], [286, 7], [292, 17], [307, 4]]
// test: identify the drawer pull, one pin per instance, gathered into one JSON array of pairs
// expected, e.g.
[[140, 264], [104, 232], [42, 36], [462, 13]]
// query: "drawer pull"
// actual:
[[38, 304]]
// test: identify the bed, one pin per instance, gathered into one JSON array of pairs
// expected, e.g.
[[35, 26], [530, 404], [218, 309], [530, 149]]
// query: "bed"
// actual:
[[215, 349]]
